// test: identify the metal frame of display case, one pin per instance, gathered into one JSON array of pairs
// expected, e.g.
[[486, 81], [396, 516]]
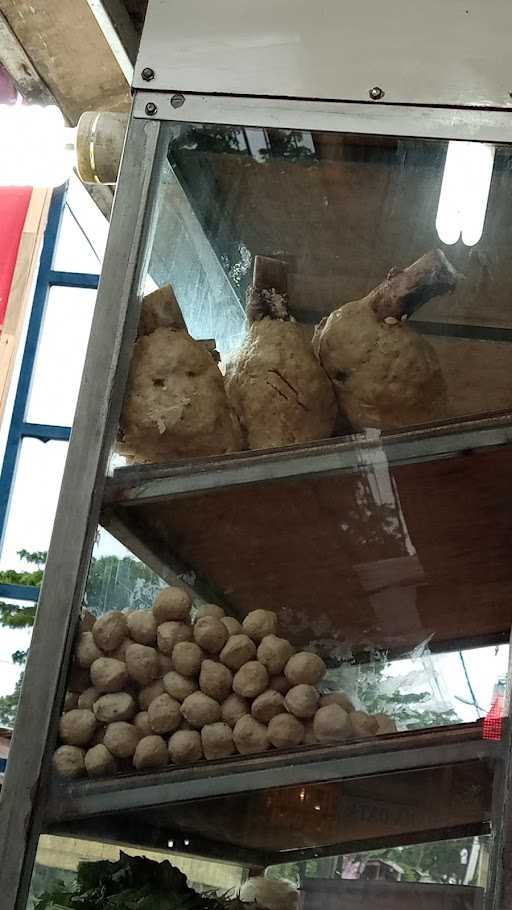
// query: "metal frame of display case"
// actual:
[[27, 803]]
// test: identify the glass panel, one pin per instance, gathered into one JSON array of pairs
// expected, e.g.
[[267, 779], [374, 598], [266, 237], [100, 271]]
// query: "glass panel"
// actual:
[[34, 500], [74, 252], [60, 356]]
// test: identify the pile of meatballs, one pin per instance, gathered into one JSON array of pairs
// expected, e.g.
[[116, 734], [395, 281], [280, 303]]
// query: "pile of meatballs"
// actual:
[[153, 688]]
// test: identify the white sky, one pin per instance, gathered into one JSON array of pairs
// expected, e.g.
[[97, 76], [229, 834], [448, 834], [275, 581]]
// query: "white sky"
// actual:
[[53, 397]]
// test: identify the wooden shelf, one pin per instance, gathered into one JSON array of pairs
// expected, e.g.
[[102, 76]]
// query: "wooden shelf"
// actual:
[[425, 785], [357, 543]]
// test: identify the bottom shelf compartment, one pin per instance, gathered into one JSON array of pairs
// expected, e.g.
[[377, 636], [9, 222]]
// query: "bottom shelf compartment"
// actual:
[[406, 788]]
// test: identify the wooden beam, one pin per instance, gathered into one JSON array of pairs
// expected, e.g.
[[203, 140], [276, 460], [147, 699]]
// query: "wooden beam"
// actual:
[[20, 67]]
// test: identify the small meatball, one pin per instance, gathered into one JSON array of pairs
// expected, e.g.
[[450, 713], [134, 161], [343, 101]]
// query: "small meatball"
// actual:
[[151, 753], [88, 698], [71, 701], [77, 727], [251, 680], [215, 680], [250, 736], [165, 664], [274, 653], [99, 762], [185, 747], [87, 621], [116, 706], [109, 674], [285, 731], [363, 724], [237, 651], [336, 698], [164, 714], [179, 686], [279, 684], [385, 724], [260, 623], [79, 679], [210, 634], [209, 610], [141, 721], [232, 625], [170, 634], [172, 604], [142, 664], [87, 650], [199, 709], [302, 700], [331, 723], [121, 739], [304, 667], [149, 693], [233, 708], [217, 741], [142, 627], [109, 630], [267, 705], [68, 761], [187, 658]]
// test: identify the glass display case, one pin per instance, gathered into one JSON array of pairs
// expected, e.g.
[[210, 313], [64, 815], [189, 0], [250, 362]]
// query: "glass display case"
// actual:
[[277, 599]]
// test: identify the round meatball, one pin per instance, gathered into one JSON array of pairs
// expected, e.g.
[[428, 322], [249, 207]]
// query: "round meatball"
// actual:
[[172, 604], [88, 698], [179, 686], [209, 610], [142, 664], [109, 630], [217, 741], [302, 700], [185, 747], [164, 714], [87, 650], [142, 627], [99, 762], [274, 653], [121, 739], [141, 721], [250, 736], [260, 623], [279, 684], [77, 727], [304, 667], [267, 705], [363, 724], [232, 625], [187, 658], [109, 674], [285, 731], [150, 753], [149, 693], [210, 634], [199, 709], [237, 651], [233, 708], [336, 698], [331, 723], [68, 761], [169, 634], [215, 680], [114, 706], [251, 680]]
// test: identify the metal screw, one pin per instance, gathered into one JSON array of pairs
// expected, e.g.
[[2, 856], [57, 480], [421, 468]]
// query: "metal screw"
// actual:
[[151, 109], [376, 93], [177, 100], [148, 74]]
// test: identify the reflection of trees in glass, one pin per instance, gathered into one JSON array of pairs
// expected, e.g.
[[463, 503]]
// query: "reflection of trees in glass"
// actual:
[[209, 138], [288, 145], [439, 862], [113, 584]]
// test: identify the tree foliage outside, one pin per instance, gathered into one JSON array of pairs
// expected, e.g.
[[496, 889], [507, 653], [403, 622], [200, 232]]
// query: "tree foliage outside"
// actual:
[[114, 583]]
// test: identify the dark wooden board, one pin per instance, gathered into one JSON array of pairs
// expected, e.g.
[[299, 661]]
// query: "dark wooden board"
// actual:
[[380, 557]]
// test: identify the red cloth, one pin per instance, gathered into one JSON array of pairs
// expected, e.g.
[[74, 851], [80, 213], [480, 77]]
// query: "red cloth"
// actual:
[[14, 202]]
